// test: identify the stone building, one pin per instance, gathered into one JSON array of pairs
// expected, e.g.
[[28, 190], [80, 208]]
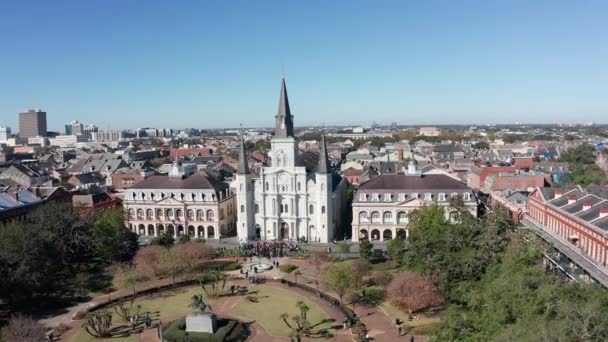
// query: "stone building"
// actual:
[[381, 206], [179, 204], [298, 196]]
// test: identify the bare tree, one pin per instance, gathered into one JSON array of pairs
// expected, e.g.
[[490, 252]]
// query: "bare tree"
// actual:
[[147, 261], [22, 328], [412, 291], [319, 260], [174, 263], [338, 278], [360, 268]]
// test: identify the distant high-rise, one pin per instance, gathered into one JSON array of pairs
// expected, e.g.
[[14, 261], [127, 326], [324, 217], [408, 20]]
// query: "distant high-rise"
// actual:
[[5, 133], [74, 128], [32, 123]]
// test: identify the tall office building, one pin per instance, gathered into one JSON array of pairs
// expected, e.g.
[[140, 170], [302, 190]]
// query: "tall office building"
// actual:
[[5, 133], [74, 128], [32, 123]]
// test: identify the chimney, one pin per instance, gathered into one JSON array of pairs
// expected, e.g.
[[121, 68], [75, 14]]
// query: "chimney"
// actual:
[[571, 199], [399, 153], [587, 204], [603, 212], [559, 193]]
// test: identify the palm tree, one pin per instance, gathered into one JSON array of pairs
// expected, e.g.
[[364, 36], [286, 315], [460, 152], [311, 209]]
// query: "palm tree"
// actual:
[[215, 278]]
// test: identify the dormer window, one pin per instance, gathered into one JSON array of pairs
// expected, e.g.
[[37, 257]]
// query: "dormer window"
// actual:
[[362, 197], [375, 197], [414, 195], [454, 194], [441, 197], [428, 196], [466, 196], [401, 197], [388, 197]]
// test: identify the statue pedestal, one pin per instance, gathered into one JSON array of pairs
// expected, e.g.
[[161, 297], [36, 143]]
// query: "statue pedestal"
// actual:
[[201, 322]]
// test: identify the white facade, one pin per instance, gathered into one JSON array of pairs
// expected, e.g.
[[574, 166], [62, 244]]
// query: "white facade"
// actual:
[[5, 133], [285, 201]]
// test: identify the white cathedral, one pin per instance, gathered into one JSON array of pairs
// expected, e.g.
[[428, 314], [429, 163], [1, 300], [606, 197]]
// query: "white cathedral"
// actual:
[[293, 198]]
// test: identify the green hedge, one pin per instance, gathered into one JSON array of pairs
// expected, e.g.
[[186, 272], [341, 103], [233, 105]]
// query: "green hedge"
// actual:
[[177, 332], [233, 266], [287, 268]]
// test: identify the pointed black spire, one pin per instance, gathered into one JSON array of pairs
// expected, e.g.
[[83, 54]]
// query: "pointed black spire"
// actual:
[[243, 167], [284, 119], [323, 166]]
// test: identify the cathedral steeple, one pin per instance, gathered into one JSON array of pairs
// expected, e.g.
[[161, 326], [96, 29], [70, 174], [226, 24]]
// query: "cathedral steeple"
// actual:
[[323, 166], [243, 167], [284, 119]]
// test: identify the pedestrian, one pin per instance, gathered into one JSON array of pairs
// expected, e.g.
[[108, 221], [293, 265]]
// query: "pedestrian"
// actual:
[[255, 270], [148, 322], [133, 323], [412, 338]]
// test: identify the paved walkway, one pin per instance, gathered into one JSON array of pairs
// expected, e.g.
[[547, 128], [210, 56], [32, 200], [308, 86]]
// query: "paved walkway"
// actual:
[[380, 326]]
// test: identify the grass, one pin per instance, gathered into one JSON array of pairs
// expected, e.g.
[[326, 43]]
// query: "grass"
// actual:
[[168, 306], [426, 324], [287, 268], [272, 302]]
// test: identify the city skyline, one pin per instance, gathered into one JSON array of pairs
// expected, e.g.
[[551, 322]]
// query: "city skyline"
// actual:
[[213, 65]]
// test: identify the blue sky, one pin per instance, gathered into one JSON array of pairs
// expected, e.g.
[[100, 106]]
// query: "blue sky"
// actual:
[[125, 63]]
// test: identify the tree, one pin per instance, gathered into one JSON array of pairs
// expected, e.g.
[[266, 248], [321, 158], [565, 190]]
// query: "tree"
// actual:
[[98, 324], [112, 240], [365, 249], [359, 269], [147, 261], [174, 263], [412, 291], [338, 278], [482, 145], [165, 239], [300, 326], [22, 328], [127, 277], [216, 280], [318, 260]]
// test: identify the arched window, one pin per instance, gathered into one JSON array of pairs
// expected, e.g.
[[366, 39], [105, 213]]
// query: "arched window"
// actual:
[[363, 216], [311, 209], [242, 208], [322, 209], [402, 217], [299, 186], [149, 213], [375, 216], [159, 213], [200, 214], [179, 213], [388, 216], [210, 214], [257, 208], [286, 208], [131, 213], [267, 186], [190, 213]]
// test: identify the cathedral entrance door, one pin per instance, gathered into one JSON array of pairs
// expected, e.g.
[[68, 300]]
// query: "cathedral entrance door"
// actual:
[[284, 231]]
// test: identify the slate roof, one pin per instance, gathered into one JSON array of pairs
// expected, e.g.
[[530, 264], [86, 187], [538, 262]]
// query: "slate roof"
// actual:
[[411, 182], [193, 182]]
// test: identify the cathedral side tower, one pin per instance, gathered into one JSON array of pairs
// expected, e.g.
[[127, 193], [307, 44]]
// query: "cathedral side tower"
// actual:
[[244, 198]]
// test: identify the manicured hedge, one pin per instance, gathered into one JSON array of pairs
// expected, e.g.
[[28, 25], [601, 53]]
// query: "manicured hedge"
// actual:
[[177, 332], [287, 268]]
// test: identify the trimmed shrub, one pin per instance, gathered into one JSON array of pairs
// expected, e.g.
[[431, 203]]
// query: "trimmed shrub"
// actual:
[[176, 332], [287, 268], [233, 266]]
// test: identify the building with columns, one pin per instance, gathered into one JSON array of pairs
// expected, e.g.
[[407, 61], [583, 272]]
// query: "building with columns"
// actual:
[[298, 196], [181, 203], [381, 206]]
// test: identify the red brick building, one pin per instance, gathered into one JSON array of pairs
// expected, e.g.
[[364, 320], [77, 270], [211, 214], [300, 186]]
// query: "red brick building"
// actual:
[[478, 174], [577, 215]]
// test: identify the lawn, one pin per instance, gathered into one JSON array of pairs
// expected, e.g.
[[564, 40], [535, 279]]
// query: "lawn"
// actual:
[[272, 302], [426, 324], [167, 306]]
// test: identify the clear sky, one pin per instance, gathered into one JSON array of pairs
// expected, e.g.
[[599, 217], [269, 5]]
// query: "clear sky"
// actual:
[[125, 63]]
